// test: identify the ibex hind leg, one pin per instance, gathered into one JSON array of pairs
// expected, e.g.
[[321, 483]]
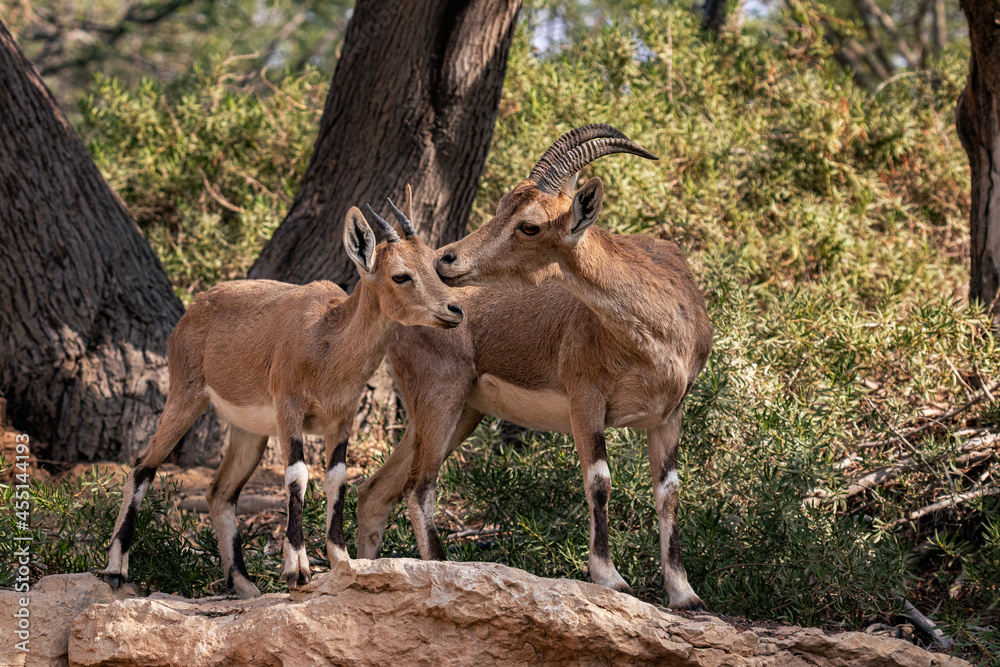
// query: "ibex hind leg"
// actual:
[[179, 414], [242, 457], [662, 442], [438, 434]]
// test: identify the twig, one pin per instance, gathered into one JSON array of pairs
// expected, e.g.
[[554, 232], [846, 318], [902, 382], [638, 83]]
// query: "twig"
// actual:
[[951, 501], [474, 532], [961, 380], [926, 625], [218, 196], [942, 418], [914, 452], [975, 451], [982, 383], [454, 517]]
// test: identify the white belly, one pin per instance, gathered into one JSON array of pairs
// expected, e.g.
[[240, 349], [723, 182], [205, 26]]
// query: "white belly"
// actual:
[[542, 410], [259, 419]]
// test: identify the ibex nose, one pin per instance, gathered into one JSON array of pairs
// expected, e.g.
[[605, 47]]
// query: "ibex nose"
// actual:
[[448, 258], [455, 309]]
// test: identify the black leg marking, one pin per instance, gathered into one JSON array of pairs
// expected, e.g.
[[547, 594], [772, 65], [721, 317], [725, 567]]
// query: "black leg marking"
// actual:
[[336, 534], [339, 455], [142, 474], [295, 451], [235, 498], [239, 567], [674, 550], [599, 452], [294, 531], [426, 496], [599, 492], [126, 532], [669, 464], [600, 504]]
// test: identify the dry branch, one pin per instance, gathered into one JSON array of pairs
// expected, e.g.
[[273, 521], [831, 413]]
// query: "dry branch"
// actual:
[[973, 452], [944, 503], [987, 391], [926, 625]]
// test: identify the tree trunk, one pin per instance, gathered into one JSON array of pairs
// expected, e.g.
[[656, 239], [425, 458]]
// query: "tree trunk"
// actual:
[[977, 119], [414, 100], [720, 16], [85, 307]]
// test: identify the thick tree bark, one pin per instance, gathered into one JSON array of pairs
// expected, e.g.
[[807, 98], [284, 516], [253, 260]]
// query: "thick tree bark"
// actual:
[[977, 118], [85, 306], [414, 100]]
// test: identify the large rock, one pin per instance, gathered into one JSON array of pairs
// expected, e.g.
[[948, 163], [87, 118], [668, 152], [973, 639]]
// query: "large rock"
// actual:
[[407, 612], [53, 604]]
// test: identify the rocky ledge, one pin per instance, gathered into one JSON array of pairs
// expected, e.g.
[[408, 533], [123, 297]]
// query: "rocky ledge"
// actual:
[[407, 612]]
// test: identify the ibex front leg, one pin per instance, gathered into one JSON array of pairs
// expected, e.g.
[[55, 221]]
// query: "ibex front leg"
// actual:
[[662, 442], [296, 571], [587, 422], [335, 485], [439, 428], [380, 493]]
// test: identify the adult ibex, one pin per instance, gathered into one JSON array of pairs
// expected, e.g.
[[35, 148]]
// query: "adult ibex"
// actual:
[[578, 330], [283, 360]]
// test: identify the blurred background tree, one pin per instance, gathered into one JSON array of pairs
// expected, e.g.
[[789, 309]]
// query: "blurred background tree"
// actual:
[[69, 41]]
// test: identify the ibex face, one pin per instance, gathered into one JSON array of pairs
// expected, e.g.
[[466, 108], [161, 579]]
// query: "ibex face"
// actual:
[[538, 222], [400, 272], [524, 242]]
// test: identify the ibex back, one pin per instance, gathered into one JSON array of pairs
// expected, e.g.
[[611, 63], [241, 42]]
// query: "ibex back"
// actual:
[[283, 360], [611, 331]]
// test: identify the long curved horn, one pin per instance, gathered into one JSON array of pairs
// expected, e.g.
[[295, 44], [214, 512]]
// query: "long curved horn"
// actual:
[[553, 180], [571, 140], [390, 234], [404, 222]]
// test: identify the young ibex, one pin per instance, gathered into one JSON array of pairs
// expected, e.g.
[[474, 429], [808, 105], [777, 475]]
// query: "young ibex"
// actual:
[[283, 360], [611, 331]]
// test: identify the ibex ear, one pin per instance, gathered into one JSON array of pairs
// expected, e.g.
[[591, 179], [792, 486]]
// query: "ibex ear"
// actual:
[[408, 208], [586, 207], [359, 241]]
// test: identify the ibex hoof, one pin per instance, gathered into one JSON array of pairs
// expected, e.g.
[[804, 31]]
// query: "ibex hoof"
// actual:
[[691, 604], [113, 579], [610, 580], [295, 578]]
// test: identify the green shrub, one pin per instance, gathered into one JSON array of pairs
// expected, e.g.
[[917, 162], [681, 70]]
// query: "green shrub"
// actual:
[[207, 170]]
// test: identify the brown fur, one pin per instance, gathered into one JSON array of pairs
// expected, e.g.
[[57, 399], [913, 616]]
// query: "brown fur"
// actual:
[[614, 323], [280, 359]]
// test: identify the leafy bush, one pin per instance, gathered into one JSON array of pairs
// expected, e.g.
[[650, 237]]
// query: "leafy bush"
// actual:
[[827, 227], [208, 171]]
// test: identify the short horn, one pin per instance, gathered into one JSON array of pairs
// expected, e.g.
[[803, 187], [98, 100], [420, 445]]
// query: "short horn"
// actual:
[[558, 174], [404, 222], [571, 140], [390, 233]]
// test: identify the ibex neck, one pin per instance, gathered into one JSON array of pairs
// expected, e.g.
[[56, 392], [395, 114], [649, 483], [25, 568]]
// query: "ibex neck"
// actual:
[[361, 331], [622, 285]]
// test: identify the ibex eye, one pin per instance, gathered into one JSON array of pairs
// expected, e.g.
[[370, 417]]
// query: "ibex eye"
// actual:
[[401, 278], [528, 229]]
